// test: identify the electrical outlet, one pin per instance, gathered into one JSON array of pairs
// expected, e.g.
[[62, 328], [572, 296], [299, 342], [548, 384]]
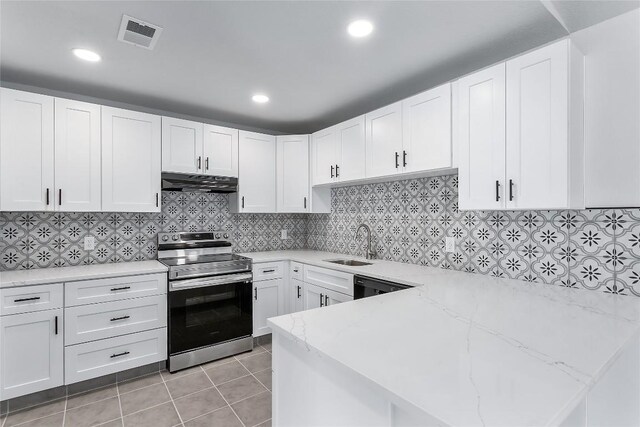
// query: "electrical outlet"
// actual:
[[449, 244], [89, 243], [284, 234]]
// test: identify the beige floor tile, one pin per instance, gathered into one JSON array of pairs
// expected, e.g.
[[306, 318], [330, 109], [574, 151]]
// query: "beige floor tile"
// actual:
[[169, 376], [218, 362], [265, 424], [221, 418], [93, 413], [267, 347], [259, 362], [144, 398], [114, 423], [138, 383], [54, 420], [164, 415], [226, 372], [254, 410], [34, 412], [197, 404], [188, 384], [241, 388], [265, 377], [91, 396]]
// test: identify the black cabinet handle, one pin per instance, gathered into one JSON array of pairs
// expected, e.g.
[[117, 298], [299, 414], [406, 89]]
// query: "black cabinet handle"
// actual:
[[326, 300], [157, 200], [59, 196], [199, 162], [123, 288], [242, 202], [337, 171], [268, 271], [119, 318], [397, 160], [255, 294], [404, 158], [26, 299], [47, 196], [321, 298], [305, 203], [497, 191], [295, 270], [124, 353], [299, 288], [56, 325], [331, 173], [510, 190], [206, 164]]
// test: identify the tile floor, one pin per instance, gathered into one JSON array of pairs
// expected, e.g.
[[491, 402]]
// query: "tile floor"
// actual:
[[232, 392]]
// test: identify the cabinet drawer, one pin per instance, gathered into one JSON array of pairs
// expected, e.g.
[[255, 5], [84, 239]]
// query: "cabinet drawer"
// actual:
[[26, 299], [329, 279], [97, 358], [114, 289], [296, 270], [97, 321], [268, 270]]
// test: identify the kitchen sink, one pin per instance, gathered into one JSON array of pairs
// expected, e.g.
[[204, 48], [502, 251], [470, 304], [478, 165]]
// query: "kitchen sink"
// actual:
[[350, 262]]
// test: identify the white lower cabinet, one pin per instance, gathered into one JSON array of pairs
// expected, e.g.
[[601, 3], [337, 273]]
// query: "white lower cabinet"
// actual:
[[268, 301], [329, 279], [103, 357], [316, 296], [32, 349]]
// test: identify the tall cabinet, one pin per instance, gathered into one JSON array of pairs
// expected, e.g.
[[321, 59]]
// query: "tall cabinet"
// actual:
[[257, 168], [292, 173]]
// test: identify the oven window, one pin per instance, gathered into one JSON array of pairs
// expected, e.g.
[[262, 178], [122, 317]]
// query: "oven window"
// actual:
[[209, 315]]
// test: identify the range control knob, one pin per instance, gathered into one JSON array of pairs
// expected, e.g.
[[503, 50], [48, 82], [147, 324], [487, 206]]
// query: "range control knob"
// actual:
[[175, 238], [226, 235], [218, 235], [165, 238]]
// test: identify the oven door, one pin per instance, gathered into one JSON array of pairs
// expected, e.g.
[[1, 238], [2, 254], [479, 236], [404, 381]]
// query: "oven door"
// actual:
[[208, 311]]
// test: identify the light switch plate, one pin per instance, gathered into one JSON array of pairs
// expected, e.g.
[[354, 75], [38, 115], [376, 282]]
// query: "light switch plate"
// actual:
[[89, 243], [284, 234], [449, 244]]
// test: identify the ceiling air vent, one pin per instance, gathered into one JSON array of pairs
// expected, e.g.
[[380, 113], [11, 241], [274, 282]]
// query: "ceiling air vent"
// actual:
[[138, 32]]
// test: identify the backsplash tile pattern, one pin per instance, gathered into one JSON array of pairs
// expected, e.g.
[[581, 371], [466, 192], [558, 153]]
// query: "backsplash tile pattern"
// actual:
[[596, 249], [52, 239]]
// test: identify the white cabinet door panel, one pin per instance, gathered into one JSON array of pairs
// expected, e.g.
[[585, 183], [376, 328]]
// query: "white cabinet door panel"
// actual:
[[384, 140], [268, 301], [257, 173], [181, 146], [26, 151], [293, 173], [426, 130], [351, 149], [323, 156], [131, 164], [77, 156], [297, 295], [481, 99], [537, 129], [32, 351], [313, 296], [220, 151], [333, 297]]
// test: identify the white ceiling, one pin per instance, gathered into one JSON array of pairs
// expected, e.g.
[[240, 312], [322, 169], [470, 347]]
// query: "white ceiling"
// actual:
[[212, 56]]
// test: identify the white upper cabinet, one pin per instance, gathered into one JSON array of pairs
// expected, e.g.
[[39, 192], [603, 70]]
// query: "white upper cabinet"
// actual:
[[26, 151], [131, 165], [182, 146], [323, 156], [540, 139], [293, 173], [220, 152], [384, 140], [350, 149], [77, 156], [257, 173], [426, 130], [481, 98]]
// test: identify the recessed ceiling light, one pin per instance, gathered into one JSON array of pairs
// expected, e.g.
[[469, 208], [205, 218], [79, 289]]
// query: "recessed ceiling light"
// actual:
[[260, 99], [87, 55], [360, 28]]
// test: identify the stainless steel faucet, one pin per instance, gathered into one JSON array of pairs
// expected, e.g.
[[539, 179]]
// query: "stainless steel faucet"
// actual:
[[371, 254]]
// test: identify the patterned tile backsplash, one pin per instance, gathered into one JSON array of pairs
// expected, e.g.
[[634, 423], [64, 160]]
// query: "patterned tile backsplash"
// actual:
[[49, 239], [595, 249]]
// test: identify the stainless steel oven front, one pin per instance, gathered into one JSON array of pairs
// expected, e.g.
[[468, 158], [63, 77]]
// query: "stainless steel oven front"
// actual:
[[209, 318]]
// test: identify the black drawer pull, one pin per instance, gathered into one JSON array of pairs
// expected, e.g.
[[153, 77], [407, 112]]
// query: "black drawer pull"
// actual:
[[124, 353], [120, 318], [269, 271], [321, 299], [295, 270], [122, 288], [56, 325], [299, 291], [26, 299]]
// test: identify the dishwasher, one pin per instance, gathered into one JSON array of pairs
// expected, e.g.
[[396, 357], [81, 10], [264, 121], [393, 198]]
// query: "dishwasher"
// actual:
[[364, 287]]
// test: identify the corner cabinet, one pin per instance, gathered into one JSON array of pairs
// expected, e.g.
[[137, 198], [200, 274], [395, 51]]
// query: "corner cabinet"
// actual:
[[131, 165], [520, 135], [257, 170], [292, 154]]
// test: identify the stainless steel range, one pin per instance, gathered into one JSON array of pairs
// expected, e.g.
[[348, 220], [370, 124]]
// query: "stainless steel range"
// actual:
[[210, 305]]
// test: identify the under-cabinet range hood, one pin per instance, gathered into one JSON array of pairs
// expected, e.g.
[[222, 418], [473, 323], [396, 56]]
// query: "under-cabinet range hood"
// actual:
[[198, 183]]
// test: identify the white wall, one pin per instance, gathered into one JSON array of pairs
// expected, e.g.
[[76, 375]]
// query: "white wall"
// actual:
[[612, 110]]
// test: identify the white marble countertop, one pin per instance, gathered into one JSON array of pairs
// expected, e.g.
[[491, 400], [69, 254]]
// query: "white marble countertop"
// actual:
[[81, 272], [468, 349]]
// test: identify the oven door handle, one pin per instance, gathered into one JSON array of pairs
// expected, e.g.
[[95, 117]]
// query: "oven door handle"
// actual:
[[209, 281]]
